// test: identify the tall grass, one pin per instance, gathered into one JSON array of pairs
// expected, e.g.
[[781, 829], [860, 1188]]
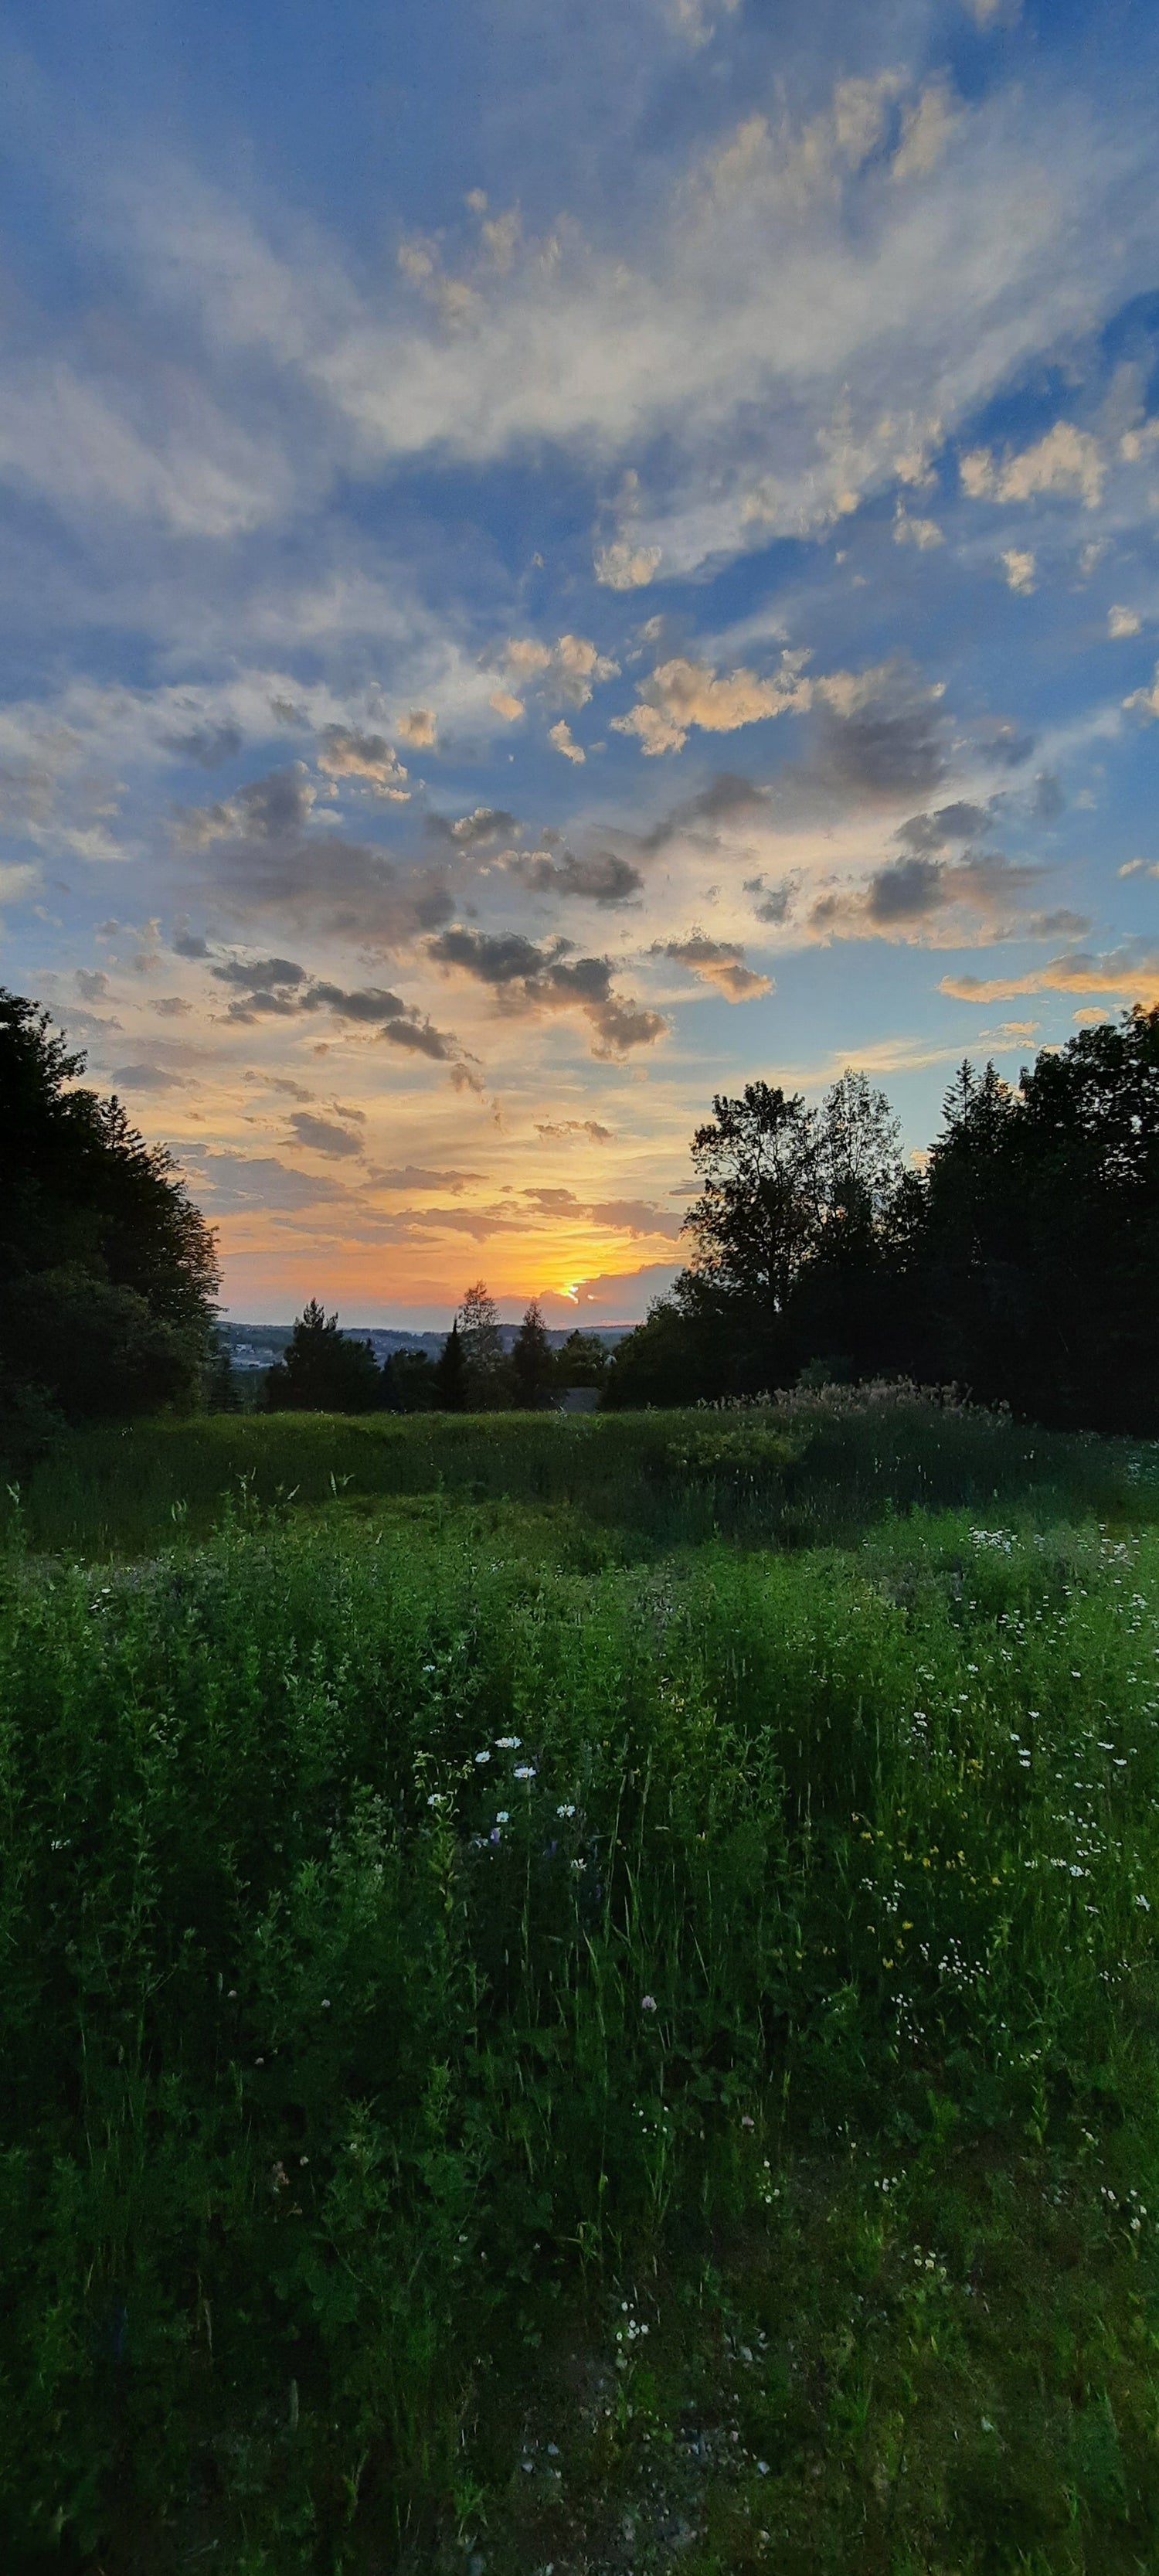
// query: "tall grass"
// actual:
[[411, 1915], [801, 1469]]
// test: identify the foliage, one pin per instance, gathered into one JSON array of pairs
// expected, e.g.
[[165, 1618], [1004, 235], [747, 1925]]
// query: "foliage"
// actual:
[[532, 1363], [487, 1377], [107, 1270], [1021, 1262], [443, 1944], [450, 1374], [324, 1371]]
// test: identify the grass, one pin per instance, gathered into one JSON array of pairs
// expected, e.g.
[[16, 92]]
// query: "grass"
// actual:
[[582, 1994]]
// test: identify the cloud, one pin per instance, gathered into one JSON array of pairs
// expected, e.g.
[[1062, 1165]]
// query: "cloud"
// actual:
[[560, 735], [343, 753], [488, 823], [269, 861], [1145, 702], [281, 802], [922, 533], [1123, 621], [418, 728], [277, 987], [625, 566], [775, 901], [209, 745], [567, 671], [719, 962], [1020, 570], [958, 822], [603, 877], [510, 708], [682, 693], [906, 899], [91, 984], [149, 1077], [926, 130], [561, 1130], [635, 1216], [524, 977], [1132, 971], [322, 1136], [416, 1176], [1066, 463], [244, 1183]]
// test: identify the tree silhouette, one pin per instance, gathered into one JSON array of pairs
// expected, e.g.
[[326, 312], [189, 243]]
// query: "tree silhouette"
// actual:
[[323, 1371], [108, 1271]]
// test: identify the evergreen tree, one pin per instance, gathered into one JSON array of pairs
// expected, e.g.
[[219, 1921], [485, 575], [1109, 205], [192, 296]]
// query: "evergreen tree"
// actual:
[[450, 1374], [532, 1364], [108, 1271], [323, 1371]]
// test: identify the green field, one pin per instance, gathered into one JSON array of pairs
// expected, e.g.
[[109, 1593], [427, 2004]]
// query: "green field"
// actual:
[[581, 1994]]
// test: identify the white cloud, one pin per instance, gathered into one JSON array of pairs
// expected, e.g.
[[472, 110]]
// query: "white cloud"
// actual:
[[923, 533], [1123, 621], [1145, 702], [561, 735], [1020, 570], [727, 321], [1066, 462], [682, 693], [926, 131], [568, 671], [65, 438], [623, 566]]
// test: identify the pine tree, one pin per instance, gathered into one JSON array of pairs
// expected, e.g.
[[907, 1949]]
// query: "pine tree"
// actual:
[[450, 1374], [323, 1371], [532, 1364]]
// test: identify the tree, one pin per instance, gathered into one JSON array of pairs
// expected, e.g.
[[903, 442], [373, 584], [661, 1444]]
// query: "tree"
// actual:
[[487, 1374], [756, 1220], [108, 1272], [323, 1371], [413, 1380], [582, 1360], [449, 1374], [1041, 1238], [532, 1363]]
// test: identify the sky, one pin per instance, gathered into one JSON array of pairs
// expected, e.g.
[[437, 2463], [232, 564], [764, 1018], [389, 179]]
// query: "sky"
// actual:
[[557, 562]]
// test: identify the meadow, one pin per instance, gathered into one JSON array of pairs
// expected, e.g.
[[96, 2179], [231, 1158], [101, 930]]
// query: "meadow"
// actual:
[[581, 1995]]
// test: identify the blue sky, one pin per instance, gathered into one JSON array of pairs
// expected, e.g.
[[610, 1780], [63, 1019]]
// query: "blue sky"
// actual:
[[555, 562]]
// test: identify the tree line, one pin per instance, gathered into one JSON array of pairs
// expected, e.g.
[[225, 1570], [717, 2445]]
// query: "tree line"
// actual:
[[1018, 1258], [325, 1370]]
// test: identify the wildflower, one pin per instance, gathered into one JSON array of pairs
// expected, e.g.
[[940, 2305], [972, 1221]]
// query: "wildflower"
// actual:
[[565, 1811], [502, 1815], [746, 2123], [1142, 1901], [509, 1743], [648, 2003], [482, 1757], [435, 1799], [525, 1770]]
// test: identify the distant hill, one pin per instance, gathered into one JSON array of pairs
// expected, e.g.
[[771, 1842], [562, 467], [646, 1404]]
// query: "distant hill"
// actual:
[[259, 1346]]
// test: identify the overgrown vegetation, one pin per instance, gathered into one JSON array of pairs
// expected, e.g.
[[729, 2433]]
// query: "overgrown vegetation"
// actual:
[[582, 1993]]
